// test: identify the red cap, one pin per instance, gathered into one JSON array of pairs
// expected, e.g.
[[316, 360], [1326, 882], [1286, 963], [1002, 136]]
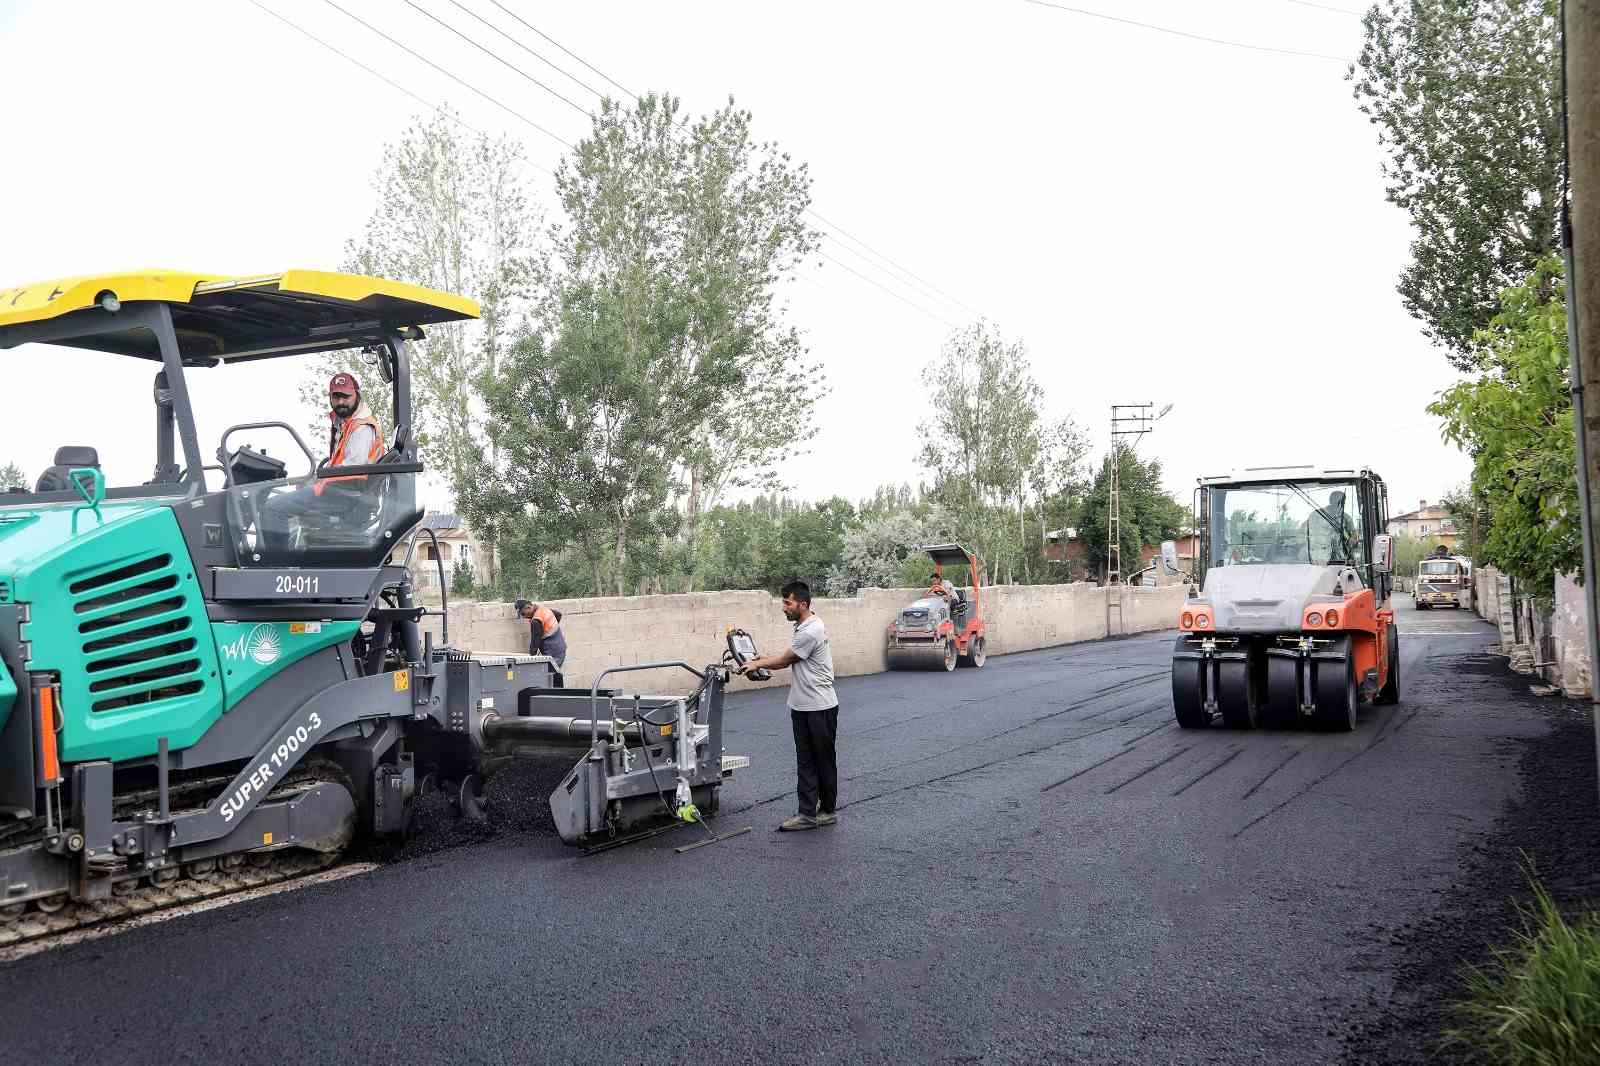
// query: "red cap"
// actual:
[[342, 382]]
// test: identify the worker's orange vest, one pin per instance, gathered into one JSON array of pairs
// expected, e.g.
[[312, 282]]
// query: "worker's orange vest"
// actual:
[[351, 424], [547, 618]]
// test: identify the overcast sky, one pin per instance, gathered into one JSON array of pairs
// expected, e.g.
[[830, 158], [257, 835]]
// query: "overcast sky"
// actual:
[[1159, 218]]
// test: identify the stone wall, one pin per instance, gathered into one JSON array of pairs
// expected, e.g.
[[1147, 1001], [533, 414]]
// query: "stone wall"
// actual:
[[1554, 646], [1569, 634], [626, 631]]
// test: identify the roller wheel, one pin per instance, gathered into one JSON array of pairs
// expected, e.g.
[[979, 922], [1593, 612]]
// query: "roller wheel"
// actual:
[[951, 654], [1336, 695], [1187, 704], [978, 655], [1283, 691], [51, 904], [1390, 692], [470, 799], [1238, 695], [890, 660]]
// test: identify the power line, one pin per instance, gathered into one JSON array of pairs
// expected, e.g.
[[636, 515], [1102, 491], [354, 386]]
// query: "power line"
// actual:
[[518, 115], [932, 291], [898, 296], [929, 287], [1183, 33], [558, 44], [430, 105], [346, 55], [515, 114], [1267, 48], [1327, 7], [503, 62], [570, 77]]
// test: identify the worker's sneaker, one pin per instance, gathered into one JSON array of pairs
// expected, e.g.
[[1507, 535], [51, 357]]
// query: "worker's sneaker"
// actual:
[[827, 818], [799, 822]]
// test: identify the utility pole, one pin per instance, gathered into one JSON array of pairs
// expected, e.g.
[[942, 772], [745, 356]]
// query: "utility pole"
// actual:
[[1129, 421], [1580, 241]]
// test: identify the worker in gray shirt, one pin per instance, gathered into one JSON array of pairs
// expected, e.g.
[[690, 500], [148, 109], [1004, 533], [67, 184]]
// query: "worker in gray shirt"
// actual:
[[813, 711]]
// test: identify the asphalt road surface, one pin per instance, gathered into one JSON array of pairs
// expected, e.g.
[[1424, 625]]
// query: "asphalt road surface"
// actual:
[[1033, 864]]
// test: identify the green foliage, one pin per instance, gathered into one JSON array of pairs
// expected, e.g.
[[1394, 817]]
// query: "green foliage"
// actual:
[[586, 433], [1516, 423], [769, 542], [1470, 516], [658, 205], [1409, 552], [11, 476], [1465, 95], [1538, 1002], [988, 446], [881, 552], [1147, 515], [461, 579], [891, 499]]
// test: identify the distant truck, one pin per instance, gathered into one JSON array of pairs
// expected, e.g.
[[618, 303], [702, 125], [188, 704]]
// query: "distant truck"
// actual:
[[1443, 582]]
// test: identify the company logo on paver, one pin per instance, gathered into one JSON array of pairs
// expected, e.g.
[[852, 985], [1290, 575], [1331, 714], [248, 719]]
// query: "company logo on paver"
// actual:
[[262, 645]]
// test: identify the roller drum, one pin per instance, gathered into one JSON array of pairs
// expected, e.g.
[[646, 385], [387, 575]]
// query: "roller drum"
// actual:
[[917, 656]]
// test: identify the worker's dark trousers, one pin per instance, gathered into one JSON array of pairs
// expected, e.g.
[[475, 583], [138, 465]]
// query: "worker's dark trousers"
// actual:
[[816, 764]]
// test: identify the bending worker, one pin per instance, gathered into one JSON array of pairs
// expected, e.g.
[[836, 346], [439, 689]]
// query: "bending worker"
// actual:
[[544, 631]]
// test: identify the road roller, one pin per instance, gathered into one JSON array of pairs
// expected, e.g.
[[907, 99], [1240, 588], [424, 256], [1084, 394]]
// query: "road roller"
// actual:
[[1293, 624], [944, 628]]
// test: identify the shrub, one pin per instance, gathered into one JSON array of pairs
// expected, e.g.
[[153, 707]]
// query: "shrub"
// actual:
[[1538, 1002]]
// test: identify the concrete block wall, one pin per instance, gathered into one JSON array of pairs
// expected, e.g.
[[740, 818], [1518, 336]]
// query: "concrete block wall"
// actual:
[[1486, 593], [1564, 633], [624, 631], [1569, 634]]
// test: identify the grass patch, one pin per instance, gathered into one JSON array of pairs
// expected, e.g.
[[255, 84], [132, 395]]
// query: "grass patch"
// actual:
[[1537, 1003]]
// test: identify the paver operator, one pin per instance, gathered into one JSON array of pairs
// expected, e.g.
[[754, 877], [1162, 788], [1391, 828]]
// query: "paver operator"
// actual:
[[353, 435], [813, 711]]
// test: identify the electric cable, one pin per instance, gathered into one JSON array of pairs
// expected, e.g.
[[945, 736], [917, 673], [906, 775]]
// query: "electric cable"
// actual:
[[1327, 7], [431, 106], [933, 290], [930, 288], [558, 44], [1185, 33], [903, 299], [570, 77], [472, 88], [413, 5]]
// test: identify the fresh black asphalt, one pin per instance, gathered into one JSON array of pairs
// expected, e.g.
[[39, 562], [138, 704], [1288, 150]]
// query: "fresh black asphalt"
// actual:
[[1033, 864]]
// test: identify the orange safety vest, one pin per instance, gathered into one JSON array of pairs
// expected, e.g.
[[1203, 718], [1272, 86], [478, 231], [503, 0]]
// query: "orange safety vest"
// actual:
[[351, 424], [546, 618]]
